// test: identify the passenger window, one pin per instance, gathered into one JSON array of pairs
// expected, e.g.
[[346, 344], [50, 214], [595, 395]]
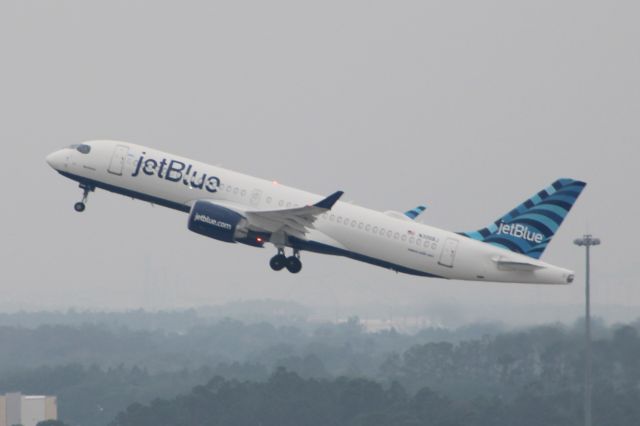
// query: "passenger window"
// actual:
[[396, 236], [333, 216], [389, 234], [412, 240], [353, 223], [375, 229], [289, 204], [235, 190], [229, 189], [367, 228], [404, 237], [281, 203], [269, 199], [360, 225], [419, 242], [339, 219], [243, 193], [382, 230], [426, 244]]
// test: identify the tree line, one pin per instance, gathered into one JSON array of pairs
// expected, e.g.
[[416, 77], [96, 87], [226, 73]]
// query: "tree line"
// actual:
[[287, 399], [99, 371]]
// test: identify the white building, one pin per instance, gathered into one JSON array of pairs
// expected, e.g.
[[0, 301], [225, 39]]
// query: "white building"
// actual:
[[27, 410]]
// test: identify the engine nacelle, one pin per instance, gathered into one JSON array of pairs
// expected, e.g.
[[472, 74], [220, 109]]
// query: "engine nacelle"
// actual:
[[217, 222]]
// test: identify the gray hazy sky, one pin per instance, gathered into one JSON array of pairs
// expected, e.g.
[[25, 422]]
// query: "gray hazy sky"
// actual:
[[468, 106]]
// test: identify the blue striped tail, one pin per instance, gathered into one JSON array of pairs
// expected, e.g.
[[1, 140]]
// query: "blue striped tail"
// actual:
[[529, 228]]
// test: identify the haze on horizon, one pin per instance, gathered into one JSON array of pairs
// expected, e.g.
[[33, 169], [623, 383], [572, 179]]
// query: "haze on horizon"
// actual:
[[468, 107]]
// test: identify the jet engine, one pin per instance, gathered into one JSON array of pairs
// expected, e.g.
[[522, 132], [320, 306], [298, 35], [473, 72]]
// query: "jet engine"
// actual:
[[217, 222]]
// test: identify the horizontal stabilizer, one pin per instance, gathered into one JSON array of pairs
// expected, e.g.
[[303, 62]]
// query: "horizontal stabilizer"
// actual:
[[515, 265]]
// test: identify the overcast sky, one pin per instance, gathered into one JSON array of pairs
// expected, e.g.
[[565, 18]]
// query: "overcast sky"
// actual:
[[467, 106]]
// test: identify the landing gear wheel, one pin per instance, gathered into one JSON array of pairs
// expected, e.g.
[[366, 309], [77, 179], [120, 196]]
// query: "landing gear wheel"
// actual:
[[278, 262], [293, 264], [81, 205]]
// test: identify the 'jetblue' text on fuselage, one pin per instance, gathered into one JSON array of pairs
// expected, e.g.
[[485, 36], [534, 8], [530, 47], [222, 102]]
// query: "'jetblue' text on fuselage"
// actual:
[[176, 171]]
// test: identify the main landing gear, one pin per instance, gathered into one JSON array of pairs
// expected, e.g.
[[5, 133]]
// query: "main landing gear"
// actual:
[[80, 206], [280, 261]]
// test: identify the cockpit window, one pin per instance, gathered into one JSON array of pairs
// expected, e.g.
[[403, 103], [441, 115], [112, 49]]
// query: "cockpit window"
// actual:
[[84, 149]]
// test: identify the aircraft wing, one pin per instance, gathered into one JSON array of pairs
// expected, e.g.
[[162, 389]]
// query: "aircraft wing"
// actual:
[[295, 221]]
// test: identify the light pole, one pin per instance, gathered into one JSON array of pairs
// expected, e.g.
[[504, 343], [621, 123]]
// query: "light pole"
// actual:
[[587, 241]]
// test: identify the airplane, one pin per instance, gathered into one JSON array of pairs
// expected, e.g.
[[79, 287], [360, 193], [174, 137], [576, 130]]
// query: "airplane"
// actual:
[[236, 208]]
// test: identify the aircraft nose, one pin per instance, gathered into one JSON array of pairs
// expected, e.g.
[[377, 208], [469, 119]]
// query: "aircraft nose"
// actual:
[[56, 159]]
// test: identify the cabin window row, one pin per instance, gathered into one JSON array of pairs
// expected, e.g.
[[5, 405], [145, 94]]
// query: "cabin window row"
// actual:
[[243, 193], [232, 189], [376, 230]]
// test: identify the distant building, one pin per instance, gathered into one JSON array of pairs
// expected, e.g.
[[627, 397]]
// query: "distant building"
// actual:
[[27, 410]]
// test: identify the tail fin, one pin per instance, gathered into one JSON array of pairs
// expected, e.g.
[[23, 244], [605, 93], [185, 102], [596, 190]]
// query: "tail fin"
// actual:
[[528, 228]]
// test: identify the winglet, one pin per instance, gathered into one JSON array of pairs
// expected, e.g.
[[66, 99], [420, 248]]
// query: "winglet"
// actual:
[[412, 214], [328, 202]]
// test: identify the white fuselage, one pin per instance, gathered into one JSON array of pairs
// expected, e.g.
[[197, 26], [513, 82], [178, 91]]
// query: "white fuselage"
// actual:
[[386, 239]]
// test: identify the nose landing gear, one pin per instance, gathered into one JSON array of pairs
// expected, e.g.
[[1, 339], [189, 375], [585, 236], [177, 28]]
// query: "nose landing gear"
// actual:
[[80, 206], [280, 261]]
